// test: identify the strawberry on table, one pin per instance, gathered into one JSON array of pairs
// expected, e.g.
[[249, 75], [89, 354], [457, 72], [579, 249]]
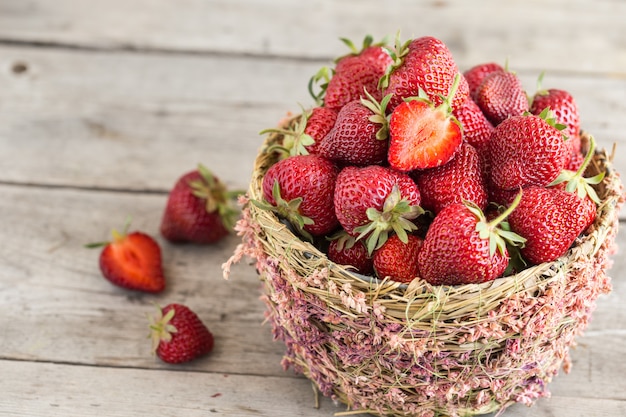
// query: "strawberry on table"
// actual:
[[132, 261], [425, 64], [462, 247], [422, 135], [397, 259], [373, 201], [526, 150], [199, 209], [178, 335], [300, 189]]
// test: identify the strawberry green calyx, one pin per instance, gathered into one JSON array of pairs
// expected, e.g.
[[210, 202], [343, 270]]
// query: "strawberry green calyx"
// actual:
[[576, 183], [160, 328], [218, 198], [115, 234], [289, 210], [295, 141], [379, 116], [320, 79], [397, 54], [354, 50], [395, 216], [344, 240], [497, 231]]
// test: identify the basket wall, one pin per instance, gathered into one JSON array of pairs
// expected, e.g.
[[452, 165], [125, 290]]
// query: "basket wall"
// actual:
[[422, 350]]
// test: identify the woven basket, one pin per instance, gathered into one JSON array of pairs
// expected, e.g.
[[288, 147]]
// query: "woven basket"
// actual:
[[387, 348]]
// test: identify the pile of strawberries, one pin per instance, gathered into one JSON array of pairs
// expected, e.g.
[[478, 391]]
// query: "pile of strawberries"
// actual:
[[408, 168], [199, 210]]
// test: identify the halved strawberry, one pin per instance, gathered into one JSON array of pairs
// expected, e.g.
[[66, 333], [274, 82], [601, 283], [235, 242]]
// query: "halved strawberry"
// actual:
[[422, 135], [132, 261]]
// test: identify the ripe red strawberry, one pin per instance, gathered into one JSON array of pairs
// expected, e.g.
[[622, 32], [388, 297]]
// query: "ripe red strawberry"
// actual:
[[132, 261], [199, 209], [500, 96], [178, 335], [526, 150], [353, 73], [423, 136], [459, 180], [346, 250], [461, 247], [563, 107], [360, 134], [397, 259], [300, 189], [550, 219], [372, 201], [476, 128], [423, 63], [477, 74]]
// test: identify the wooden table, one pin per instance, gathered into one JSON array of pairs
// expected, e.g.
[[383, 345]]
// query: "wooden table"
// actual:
[[104, 104]]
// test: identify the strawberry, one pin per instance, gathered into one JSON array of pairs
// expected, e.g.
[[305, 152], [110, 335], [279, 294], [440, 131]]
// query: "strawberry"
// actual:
[[346, 250], [372, 201], [476, 128], [360, 134], [550, 219], [423, 64], [462, 247], [459, 180], [303, 136], [132, 261], [397, 259], [300, 189], [423, 136], [353, 73], [199, 209], [477, 74], [563, 106], [178, 335], [500, 96], [526, 150]]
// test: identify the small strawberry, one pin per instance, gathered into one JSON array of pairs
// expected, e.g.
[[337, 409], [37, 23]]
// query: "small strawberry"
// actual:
[[303, 136], [476, 128], [562, 105], [459, 180], [372, 201], [300, 189], [462, 247], [477, 74], [423, 136], [397, 259], [346, 250], [360, 134], [526, 150], [178, 335], [199, 209], [353, 73], [132, 261], [425, 64], [500, 96]]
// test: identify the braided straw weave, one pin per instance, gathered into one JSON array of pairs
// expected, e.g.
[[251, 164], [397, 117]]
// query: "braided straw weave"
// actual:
[[395, 349]]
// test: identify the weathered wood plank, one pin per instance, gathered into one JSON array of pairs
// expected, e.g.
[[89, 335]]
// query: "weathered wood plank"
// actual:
[[138, 121], [572, 36], [63, 311]]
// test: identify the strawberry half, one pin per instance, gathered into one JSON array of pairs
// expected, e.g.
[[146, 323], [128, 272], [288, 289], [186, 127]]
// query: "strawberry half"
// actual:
[[422, 135], [178, 335], [132, 261]]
